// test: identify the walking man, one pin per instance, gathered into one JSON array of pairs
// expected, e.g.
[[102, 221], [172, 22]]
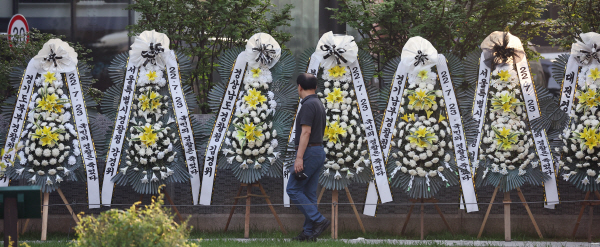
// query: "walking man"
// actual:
[[310, 157]]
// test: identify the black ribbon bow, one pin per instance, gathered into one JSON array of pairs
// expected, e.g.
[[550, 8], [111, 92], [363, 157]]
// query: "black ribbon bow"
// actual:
[[501, 53], [420, 58], [266, 53], [336, 52], [590, 55], [52, 57], [150, 55]]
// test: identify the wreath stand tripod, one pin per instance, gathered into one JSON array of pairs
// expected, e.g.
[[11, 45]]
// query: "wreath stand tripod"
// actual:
[[507, 203], [422, 201], [334, 211], [45, 213], [170, 201], [591, 211], [248, 198]]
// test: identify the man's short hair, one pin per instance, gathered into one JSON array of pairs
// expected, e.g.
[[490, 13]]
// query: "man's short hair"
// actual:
[[307, 81]]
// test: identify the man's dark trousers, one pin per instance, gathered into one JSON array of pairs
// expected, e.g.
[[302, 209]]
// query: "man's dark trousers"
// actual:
[[304, 192]]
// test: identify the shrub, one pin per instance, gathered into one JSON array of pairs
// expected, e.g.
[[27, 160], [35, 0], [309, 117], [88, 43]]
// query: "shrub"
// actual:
[[152, 225]]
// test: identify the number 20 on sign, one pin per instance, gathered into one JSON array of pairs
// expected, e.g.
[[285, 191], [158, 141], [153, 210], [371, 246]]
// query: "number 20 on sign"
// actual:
[[18, 30]]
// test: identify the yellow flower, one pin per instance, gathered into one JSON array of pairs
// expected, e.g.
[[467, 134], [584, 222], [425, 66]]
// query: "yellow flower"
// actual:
[[145, 102], [421, 98], [254, 98], [589, 99], [335, 96], [504, 75], [148, 137], [588, 137], [152, 75], [2, 165], [337, 71], [412, 117], [591, 141], [442, 118], [594, 74], [155, 104], [49, 77], [506, 102], [150, 101], [333, 132], [46, 135], [429, 113], [505, 138], [423, 75], [587, 133], [51, 103], [422, 137], [405, 117], [252, 132], [153, 95], [421, 132], [255, 72]]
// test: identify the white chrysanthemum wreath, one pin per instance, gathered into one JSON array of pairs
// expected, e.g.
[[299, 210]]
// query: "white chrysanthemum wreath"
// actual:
[[345, 146], [253, 141], [421, 160], [49, 138], [581, 151], [151, 137], [507, 143]]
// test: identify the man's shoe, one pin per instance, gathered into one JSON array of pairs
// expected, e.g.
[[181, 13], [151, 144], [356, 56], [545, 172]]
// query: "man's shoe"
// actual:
[[301, 237], [319, 228]]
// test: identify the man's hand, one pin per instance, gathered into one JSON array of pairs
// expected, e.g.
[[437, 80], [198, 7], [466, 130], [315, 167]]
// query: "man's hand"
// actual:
[[299, 165]]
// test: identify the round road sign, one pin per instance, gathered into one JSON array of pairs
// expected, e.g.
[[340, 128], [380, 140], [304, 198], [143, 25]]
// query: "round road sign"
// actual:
[[18, 26]]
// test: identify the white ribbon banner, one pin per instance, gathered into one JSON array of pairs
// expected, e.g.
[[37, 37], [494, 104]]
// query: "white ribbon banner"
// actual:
[[528, 89], [478, 112], [286, 171], [18, 117], [370, 130], [569, 86], [393, 106], [479, 105], [313, 68], [387, 127], [118, 137], [460, 146], [541, 142], [86, 144], [220, 128], [183, 122]]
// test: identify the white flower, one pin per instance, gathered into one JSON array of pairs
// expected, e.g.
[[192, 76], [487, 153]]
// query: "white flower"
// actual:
[[432, 173], [591, 172], [41, 173], [412, 172], [55, 152], [51, 172], [337, 175]]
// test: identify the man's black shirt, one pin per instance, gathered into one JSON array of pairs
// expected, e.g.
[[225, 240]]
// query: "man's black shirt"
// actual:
[[312, 113]]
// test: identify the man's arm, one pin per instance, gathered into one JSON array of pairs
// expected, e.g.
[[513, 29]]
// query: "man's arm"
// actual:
[[304, 137]]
